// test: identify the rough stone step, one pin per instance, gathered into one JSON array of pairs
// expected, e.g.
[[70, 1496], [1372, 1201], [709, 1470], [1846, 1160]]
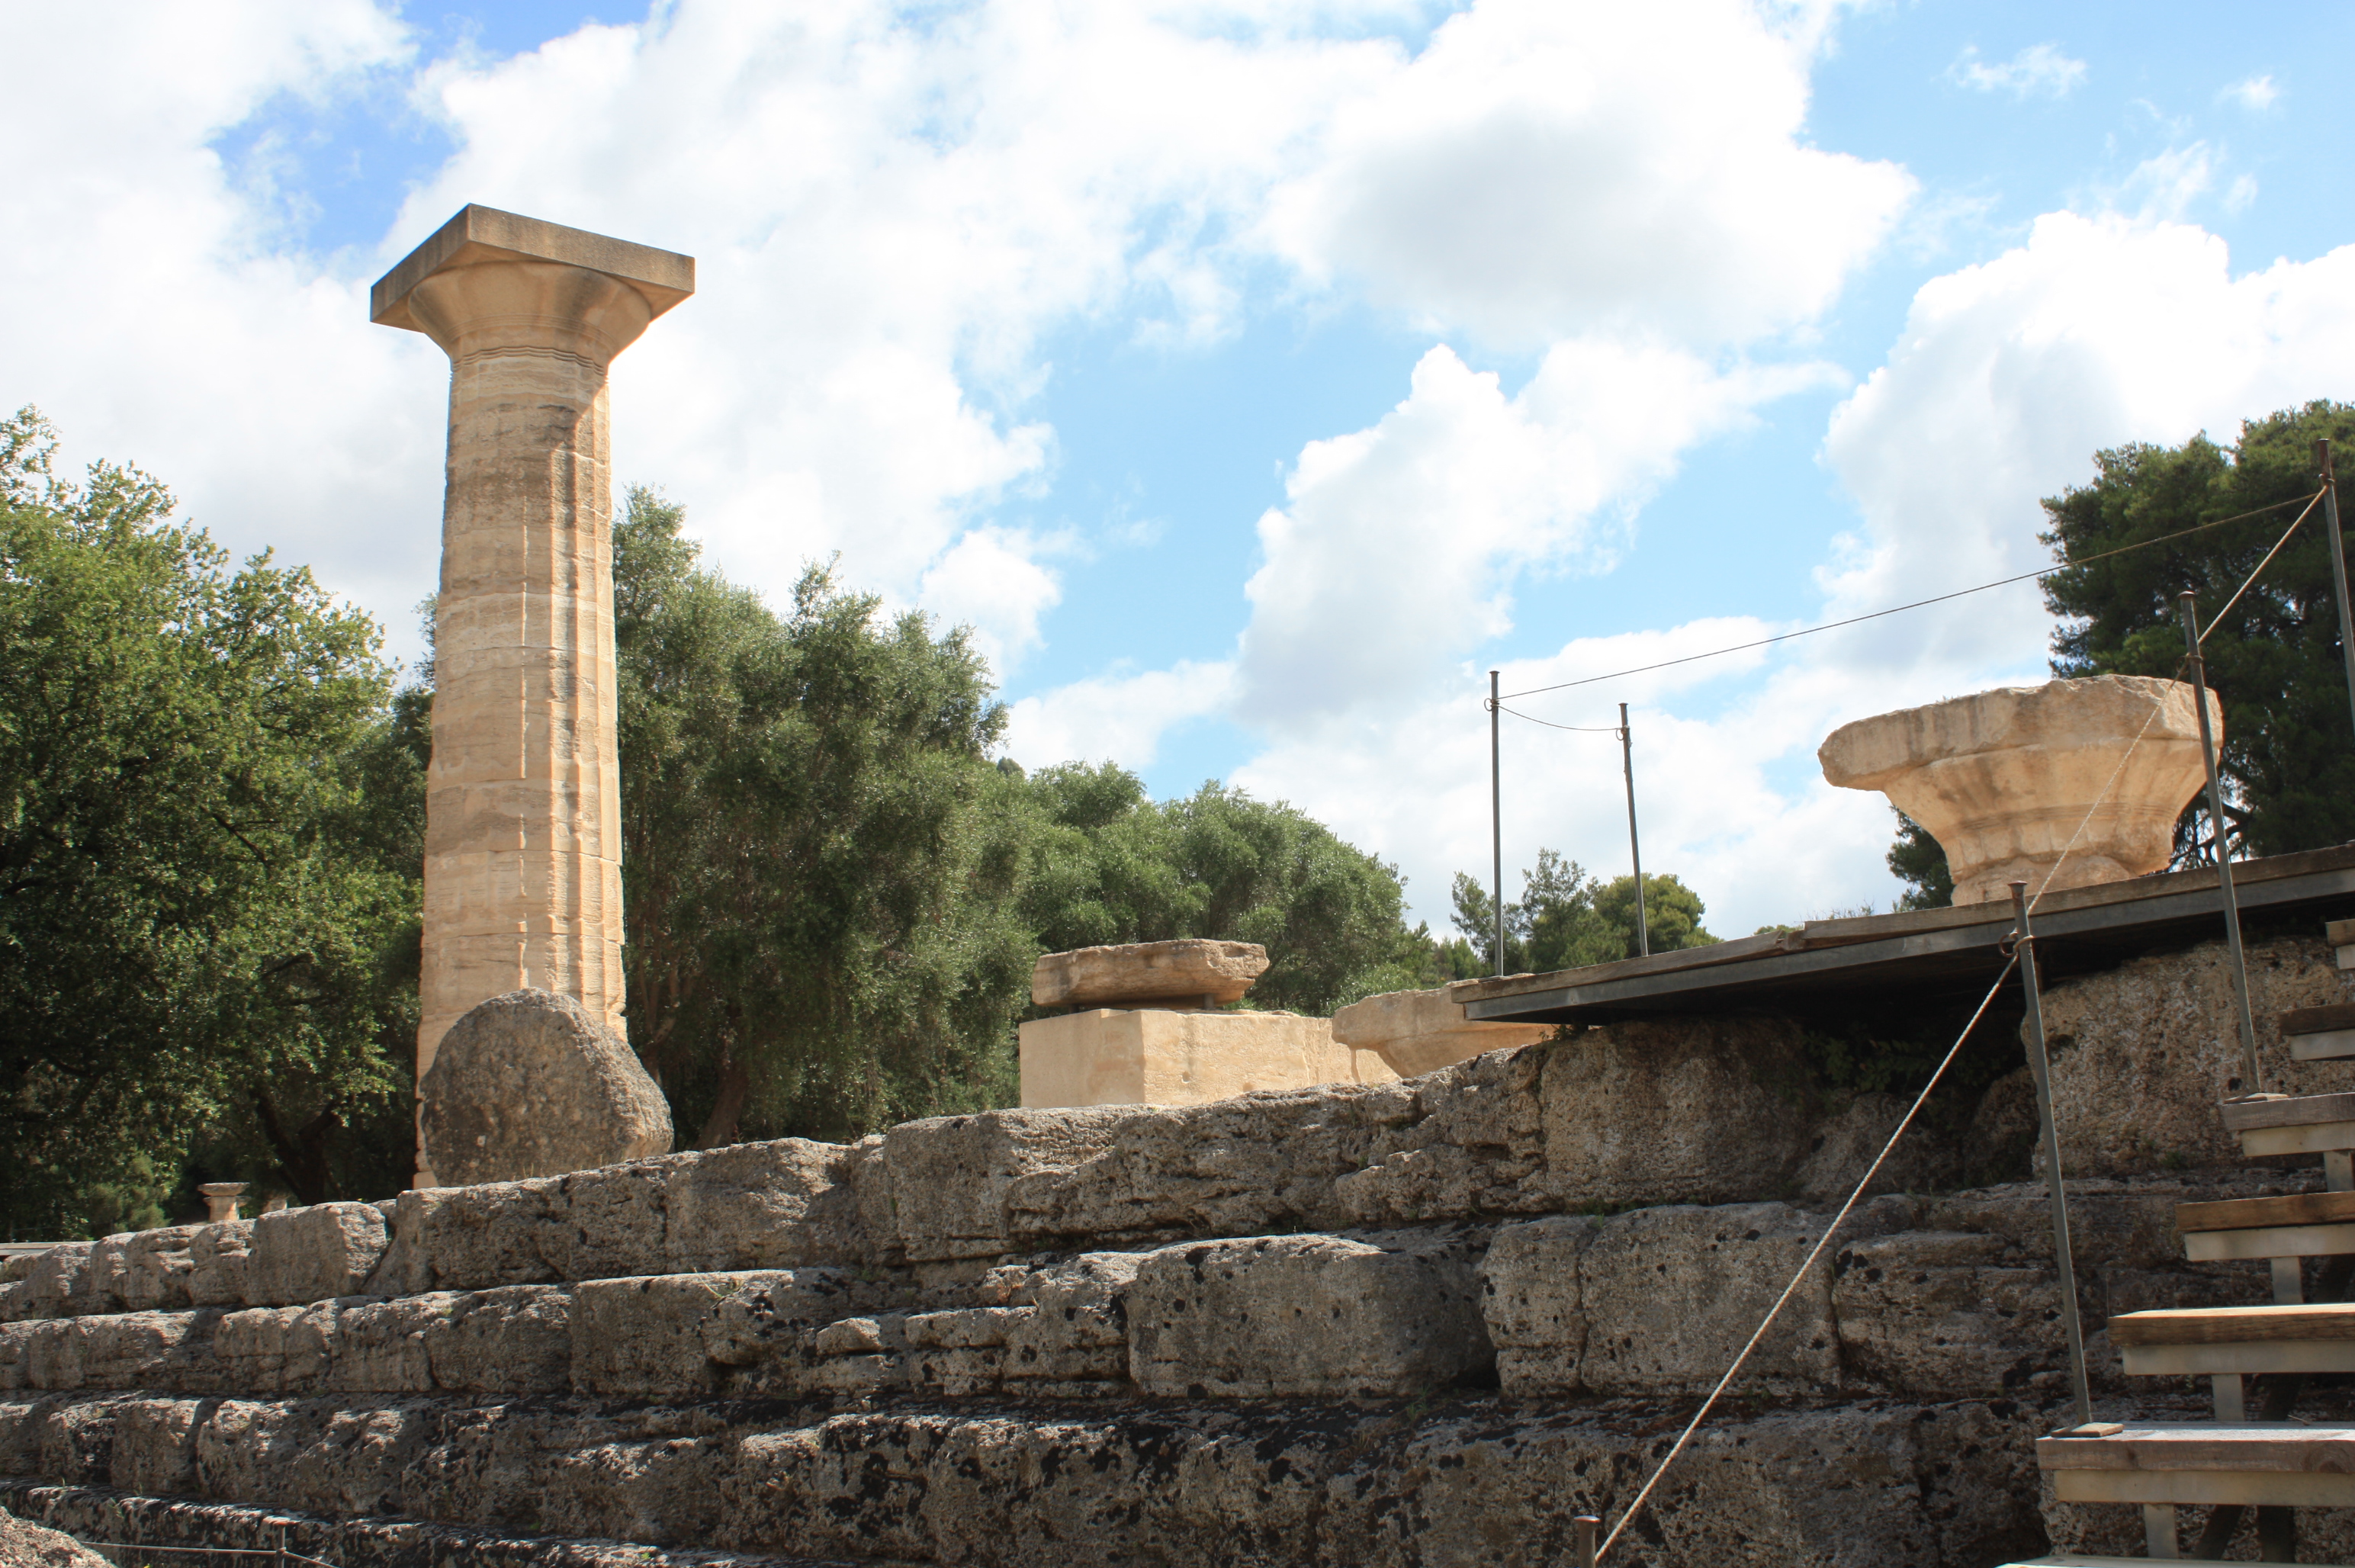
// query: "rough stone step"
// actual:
[[2204, 1463], [2320, 1034], [2249, 1213]]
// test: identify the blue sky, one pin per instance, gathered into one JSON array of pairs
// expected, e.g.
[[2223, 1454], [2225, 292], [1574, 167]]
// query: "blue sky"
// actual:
[[1253, 378]]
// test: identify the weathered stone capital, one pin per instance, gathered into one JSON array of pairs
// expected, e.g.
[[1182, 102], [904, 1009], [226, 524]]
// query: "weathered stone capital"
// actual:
[[491, 281]]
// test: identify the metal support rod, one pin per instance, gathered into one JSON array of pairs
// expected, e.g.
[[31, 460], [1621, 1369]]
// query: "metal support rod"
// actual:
[[2190, 608], [2041, 1069], [1497, 819], [1634, 849], [1585, 1526], [2338, 565]]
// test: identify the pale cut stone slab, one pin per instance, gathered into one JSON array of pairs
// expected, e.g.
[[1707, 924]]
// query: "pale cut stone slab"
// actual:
[[532, 1083], [2005, 780], [315, 1254], [1107, 1057], [1192, 969], [1415, 1032]]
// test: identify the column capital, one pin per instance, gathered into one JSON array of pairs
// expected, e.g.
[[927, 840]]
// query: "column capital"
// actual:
[[491, 279]]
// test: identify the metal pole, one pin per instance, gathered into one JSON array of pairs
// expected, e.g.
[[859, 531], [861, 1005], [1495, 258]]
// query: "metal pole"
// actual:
[[1635, 850], [2338, 565], [2190, 608], [1585, 1526], [2040, 1068], [1497, 819]]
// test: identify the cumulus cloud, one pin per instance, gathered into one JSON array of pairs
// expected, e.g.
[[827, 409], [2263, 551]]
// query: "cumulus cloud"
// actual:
[[1120, 716], [2254, 93], [1544, 170], [2039, 70]]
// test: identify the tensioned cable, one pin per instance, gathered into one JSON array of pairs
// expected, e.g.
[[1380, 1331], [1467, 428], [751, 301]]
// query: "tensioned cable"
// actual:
[[1580, 729], [1918, 603], [2244, 587]]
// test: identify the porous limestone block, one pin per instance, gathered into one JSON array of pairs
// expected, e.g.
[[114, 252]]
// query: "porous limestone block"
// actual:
[[155, 1445], [1190, 971], [25, 1545], [516, 1339], [156, 1350], [54, 1284], [337, 1457], [1416, 1032], [1934, 1312], [474, 1238], [1671, 1295], [156, 1265], [1683, 1111], [606, 1223], [531, 1083], [1153, 1058], [1390, 1313], [2008, 780], [679, 1335], [15, 1345], [950, 1187], [2142, 1054], [217, 1257], [1529, 1300], [779, 1204], [277, 1350], [317, 1254]]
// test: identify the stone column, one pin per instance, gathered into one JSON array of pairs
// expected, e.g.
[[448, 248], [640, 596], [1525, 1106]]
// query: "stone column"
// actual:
[[522, 877]]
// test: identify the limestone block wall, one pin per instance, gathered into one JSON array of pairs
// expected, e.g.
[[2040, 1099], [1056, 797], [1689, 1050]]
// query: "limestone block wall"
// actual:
[[1415, 1323]]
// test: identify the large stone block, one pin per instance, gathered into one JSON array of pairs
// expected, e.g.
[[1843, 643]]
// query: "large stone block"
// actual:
[[1384, 1312], [533, 1084], [1416, 1032], [218, 1258], [1682, 1111], [474, 1238], [677, 1335], [2142, 1054], [315, 1254], [55, 1283], [945, 1185], [155, 1445], [1161, 1057], [157, 1268], [277, 1350], [1195, 971], [782, 1204]]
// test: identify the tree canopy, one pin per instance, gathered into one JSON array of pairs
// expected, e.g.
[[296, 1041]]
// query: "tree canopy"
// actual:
[[1566, 919], [209, 865]]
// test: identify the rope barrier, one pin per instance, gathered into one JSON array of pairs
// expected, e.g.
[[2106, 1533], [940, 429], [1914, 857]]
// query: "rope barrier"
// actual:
[[1919, 604]]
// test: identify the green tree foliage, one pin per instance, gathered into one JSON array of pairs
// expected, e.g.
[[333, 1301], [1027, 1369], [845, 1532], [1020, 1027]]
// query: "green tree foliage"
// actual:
[[819, 863], [208, 859], [1917, 860], [1565, 918], [1108, 865], [2274, 662]]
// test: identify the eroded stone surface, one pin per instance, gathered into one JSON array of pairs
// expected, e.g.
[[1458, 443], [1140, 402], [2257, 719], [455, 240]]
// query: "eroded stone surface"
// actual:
[[1192, 970], [25, 1545], [530, 1084], [314, 1253], [1419, 1031], [2009, 780], [1163, 1058]]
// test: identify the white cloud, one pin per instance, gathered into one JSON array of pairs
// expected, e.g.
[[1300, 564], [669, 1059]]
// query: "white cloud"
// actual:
[[1120, 716], [2254, 93], [990, 581], [1393, 555], [2039, 70], [1544, 170]]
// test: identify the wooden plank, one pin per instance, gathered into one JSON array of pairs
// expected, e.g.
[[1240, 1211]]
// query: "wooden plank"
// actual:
[[2329, 1045], [2225, 1325], [2250, 1359], [2270, 1242], [2339, 933], [2078, 1560], [2316, 1020], [2286, 1111], [2246, 1213], [2207, 1488], [2285, 1447], [1843, 959], [2322, 1138]]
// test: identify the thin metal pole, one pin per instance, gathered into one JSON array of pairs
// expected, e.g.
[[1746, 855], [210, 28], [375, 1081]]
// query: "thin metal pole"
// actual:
[[2338, 564], [2187, 602], [2040, 1068], [1584, 1526], [1497, 819], [1635, 850]]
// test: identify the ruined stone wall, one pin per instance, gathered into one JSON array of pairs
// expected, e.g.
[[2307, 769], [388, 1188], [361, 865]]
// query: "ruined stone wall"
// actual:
[[1417, 1323]]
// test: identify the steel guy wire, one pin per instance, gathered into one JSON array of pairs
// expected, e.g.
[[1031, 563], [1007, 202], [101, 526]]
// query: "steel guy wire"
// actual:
[[1919, 604], [2252, 576]]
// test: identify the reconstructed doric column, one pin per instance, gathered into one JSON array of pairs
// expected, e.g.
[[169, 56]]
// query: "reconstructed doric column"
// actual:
[[523, 877]]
